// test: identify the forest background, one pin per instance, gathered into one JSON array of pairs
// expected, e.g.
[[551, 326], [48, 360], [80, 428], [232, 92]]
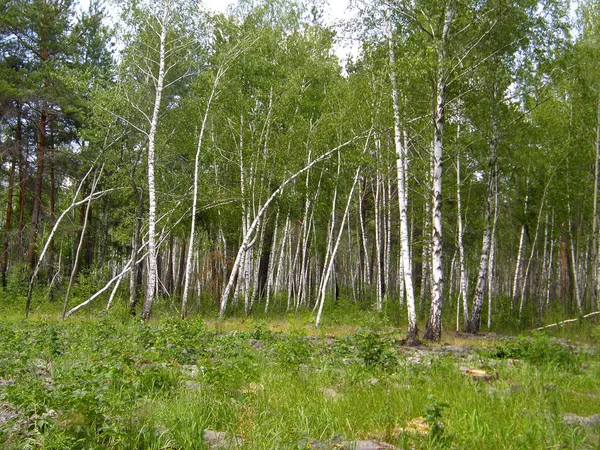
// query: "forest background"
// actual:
[[173, 159]]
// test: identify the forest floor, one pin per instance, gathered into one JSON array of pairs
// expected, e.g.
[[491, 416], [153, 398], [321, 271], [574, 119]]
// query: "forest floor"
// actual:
[[171, 384]]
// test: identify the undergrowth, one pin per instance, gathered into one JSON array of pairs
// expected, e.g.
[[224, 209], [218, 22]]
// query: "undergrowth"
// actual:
[[116, 382]]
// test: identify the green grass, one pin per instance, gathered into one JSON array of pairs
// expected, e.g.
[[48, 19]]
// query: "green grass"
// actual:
[[113, 382]]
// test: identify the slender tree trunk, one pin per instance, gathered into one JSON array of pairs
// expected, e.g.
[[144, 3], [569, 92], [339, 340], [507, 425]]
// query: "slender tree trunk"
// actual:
[[575, 272], [464, 289], [151, 270], [327, 269], [412, 334], [475, 321], [36, 268], [550, 269], [271, 268], [22, 192], [256, 268], [491, 260], [252, 228], [285, 243], [170, 277], [364, 249], [544, 274], [378, 240], [181, 269], [188, 263], [37, 193], [596, 230], [52, 193], [9, 202], [517, 277], [135, 244], [433, 329], [388, 238], [79, 246], [533, 248]]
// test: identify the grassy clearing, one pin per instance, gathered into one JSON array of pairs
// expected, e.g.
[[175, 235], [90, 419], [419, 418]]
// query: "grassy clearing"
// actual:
[[115, 382]]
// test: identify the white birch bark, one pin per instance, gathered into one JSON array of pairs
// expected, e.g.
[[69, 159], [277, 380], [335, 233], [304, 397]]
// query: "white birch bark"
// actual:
[[131, 263], [74, 203], [188, 263], [378, 239], [271, 267], [330, 228], [327, 269], [463, 291], [351, 262], [80, 244], [533, 248], [401, 164], [433, 330], [387, 199], [491, 260], [550, 261], [113, 294], [281, 261], [544, 275], [576, 289], [516, 278], [152, 269], [475, 321], [258, 255], [366, 273], [252, 228]]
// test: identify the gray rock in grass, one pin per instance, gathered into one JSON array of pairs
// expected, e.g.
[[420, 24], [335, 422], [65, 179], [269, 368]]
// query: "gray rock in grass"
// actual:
[[582, 421], [7, 413], [221, 440]]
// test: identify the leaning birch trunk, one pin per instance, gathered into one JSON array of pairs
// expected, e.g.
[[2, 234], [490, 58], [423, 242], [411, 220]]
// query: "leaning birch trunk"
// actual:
[[305, 236], [433, 329], [463, 291], [576, 289], [256, 268], [113, 294], [271, 266], [517, 277], [152, 269], [248, 235], [79, 245], [281, 261], [188, 262], [412, 333], [330, 229], [131, 263], [475, 320], [544, 275], [73, 204], [327, 270]]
